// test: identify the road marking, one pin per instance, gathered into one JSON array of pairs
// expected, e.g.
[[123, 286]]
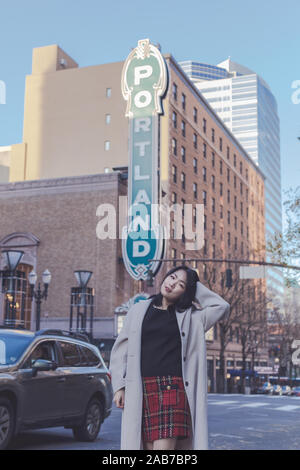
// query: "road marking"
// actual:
[[225, 435], [225, 402], [254, 405], [287, 408]]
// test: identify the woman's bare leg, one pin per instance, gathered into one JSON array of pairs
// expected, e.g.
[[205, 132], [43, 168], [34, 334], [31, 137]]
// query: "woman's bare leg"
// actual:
[[148, 445], [164, 444]]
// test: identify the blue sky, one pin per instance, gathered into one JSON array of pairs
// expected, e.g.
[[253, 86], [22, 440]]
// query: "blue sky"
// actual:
[[262, 35]]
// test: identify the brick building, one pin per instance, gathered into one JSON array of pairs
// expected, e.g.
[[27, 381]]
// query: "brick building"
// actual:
[[74, 126]]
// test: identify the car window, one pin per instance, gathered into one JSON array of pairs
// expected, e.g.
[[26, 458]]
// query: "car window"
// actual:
[[89, 357], [44, 350], [70, 354], [12, 346]]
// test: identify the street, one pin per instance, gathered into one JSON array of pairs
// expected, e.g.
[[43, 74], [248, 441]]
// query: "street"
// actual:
[[236, 422]]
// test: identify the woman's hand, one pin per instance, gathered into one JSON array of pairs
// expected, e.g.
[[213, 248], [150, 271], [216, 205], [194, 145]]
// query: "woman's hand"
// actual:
[[119, 398]]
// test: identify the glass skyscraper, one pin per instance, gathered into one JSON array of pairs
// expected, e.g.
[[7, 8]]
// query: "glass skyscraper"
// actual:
[[245, 103]]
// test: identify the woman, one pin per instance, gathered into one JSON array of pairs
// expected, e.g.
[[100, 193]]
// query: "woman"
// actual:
[[158, 365]]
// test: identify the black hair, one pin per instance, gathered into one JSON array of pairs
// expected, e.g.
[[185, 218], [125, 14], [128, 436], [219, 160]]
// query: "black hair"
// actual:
[[186, 299]]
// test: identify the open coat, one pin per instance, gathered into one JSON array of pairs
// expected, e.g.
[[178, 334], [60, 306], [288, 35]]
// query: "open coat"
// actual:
[[125, 367]]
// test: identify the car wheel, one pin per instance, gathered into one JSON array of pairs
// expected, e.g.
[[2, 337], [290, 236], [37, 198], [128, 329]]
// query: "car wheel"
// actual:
[[7, 417], [90, 427]]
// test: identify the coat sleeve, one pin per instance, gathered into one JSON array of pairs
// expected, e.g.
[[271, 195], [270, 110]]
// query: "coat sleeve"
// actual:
[[213, 306], [118, 356]]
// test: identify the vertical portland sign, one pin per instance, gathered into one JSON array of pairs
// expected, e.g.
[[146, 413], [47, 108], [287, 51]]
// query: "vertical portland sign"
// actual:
[[144, 83]]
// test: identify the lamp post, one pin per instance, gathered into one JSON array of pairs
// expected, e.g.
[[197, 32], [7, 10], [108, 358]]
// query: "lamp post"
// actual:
[[82, 298], [9, 278], [38, 294]]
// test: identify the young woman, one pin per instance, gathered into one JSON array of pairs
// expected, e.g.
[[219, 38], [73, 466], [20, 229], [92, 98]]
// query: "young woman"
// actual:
[[158, 365]]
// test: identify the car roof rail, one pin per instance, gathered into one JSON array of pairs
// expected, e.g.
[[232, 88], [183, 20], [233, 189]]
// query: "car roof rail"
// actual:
[[72, 334]]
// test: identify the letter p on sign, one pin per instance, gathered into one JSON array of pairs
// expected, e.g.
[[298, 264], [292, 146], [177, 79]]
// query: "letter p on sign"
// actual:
[[144, 71]]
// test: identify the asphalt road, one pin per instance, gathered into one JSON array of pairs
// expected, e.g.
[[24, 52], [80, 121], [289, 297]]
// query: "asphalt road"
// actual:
[[236, 422]]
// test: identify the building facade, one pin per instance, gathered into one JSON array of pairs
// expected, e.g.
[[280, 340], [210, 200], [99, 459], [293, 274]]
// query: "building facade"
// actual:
[[74, 141], [247, 106]]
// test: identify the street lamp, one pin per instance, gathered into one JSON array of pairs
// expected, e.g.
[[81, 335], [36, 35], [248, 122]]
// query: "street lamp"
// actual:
[[9, 278], [38, 294]]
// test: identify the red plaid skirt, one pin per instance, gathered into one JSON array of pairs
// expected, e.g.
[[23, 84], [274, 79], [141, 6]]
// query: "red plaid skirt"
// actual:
[[165, 409]]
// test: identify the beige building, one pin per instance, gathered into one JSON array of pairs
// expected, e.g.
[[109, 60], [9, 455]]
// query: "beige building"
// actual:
[[4, 163], [75, 133]]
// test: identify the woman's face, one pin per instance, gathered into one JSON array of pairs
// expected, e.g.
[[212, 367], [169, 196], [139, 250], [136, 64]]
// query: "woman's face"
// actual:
[[174, 285]]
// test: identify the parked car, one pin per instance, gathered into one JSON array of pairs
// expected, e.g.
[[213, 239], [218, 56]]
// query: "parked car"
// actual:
[[277, 390], [266, 388], [51, 378], [296, 391], [286, 390]]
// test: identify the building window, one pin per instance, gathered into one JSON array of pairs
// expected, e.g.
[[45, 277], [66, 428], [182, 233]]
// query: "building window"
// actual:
[[241, 188], [235, 223], [183, 128], [183, 101], [221, 144], [212, 135], [205, 247], [241, 168], [221, 167], [174, 198], [213, 204], [234, 160], [195, 142], [174, 173], [174, 255], [228, 195], [235, 243], [108, 92], [242, 207], [174, 91], [195, 190], [107, 118], [204, 197], [246, 174], [213, 228], [204, 125], [242, 228], [234, 181], [205, 222], [228, 175], [204, 150], [213, 182], [221, 211], [183, 154], [213, 159], [195, 165], [195, 115], [228, 217], [174, 119], [107, 145], [242, 248], [228, 153], [204, 173], [183, 180], [194, 215], [228, 239], [221, 189], [174, 146]]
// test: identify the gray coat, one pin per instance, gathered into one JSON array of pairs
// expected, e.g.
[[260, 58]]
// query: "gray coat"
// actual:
[[126, 372]]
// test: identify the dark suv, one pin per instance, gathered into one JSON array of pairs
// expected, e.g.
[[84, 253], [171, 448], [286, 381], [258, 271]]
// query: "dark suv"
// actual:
[[51, 378]]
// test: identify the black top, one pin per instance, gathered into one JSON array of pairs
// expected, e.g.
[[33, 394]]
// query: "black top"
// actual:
[[161, 343]]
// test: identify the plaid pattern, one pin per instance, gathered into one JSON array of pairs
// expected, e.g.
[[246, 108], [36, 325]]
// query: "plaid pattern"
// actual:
[[165, 408]]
